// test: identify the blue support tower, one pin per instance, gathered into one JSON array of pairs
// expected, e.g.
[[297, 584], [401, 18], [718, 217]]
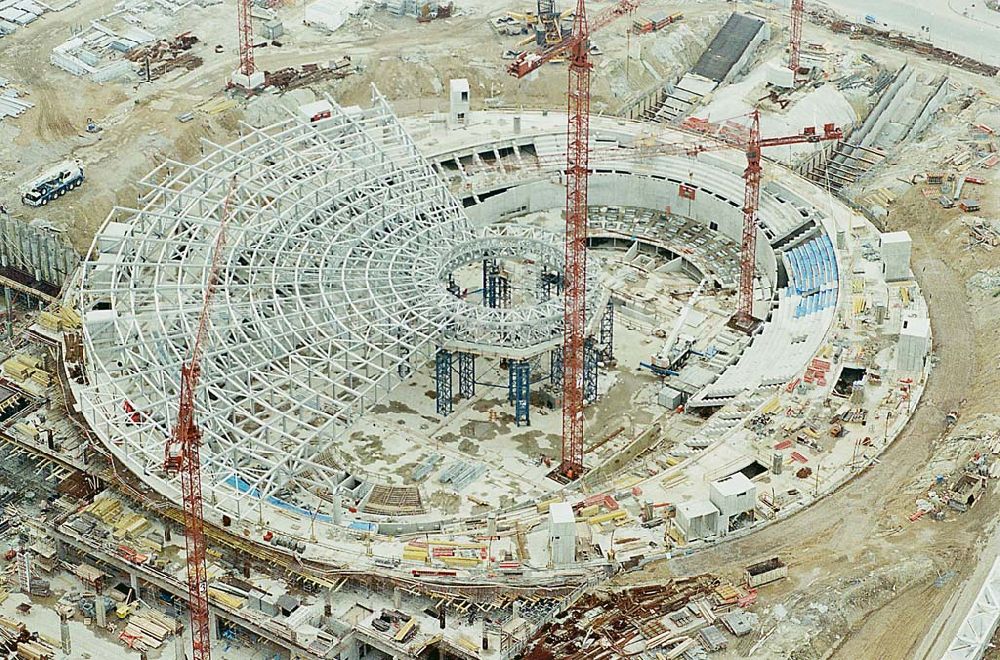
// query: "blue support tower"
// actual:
[[556, 365], [521, 374], [549, 283], [496, 287], [589, 370], [489, 292], [466, 375], [510, 379], [607, 338], [442, 371]]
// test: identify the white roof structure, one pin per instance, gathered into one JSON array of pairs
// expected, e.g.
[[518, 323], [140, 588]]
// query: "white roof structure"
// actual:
[[735, 484], [332, 289], [696, 509], [892, 237]]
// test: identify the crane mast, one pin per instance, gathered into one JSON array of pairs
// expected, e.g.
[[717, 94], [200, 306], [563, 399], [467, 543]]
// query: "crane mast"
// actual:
[[577, 48], [246, 37], [748, 246], [796, 36], [575, 272], [183, 455]]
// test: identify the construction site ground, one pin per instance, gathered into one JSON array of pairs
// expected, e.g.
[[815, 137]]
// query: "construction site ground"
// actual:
[[864, 581]]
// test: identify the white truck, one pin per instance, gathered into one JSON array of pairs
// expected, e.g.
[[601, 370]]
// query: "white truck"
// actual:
[[53, 184]]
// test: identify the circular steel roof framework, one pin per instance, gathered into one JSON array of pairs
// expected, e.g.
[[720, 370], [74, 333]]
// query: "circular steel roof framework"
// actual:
[[331, 288]]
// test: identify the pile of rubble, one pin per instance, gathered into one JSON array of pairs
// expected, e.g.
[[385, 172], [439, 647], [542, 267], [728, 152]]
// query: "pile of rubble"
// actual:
[[683, 618], [307, 74], [986, 280], [159, 57], [901, 42], [962, 490]]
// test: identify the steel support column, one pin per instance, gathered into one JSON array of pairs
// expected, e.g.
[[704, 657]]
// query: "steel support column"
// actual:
[[607, 337], [521, 371], [442, 373], [466, 375], [590, 370]]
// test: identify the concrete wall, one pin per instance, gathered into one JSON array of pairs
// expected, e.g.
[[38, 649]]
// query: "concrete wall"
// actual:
[[627, 190], [934, 103]]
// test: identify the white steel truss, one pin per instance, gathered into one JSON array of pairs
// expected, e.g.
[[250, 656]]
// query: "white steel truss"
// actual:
[[980, 622], [333, 286]]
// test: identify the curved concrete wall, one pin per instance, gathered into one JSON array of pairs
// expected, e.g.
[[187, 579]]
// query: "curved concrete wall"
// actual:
[[627, 190]]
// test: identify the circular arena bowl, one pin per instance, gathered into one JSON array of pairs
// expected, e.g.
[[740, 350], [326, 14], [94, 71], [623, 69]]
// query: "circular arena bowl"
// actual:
[[332, 287], [363, 261]]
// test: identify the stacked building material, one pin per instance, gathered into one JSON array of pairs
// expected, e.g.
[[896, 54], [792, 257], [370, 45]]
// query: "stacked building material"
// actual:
[[159, 57], [148, 628], [672, 620], [11, 105], [655, 22]]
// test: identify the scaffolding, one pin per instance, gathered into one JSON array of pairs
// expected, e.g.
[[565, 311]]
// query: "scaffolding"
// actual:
[[549, 283], [496, 285], [24, 561], [556, 366], [519, 375]]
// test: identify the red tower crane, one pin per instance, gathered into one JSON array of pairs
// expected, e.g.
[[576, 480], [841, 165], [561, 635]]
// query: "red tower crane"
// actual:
[[796, 36], [246, 37], [183, 454], [577, 47]]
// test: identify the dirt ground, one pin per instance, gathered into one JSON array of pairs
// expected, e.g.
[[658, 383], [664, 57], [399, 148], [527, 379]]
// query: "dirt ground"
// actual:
[[410, 63]]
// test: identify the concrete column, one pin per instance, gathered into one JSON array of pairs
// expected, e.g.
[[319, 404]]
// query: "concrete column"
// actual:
[[99, 604], [338, 510], [491, 524], [134, 582], [64, 634], [179, 646], [10, 314], [60, 550], [397, 597], [213, 628]]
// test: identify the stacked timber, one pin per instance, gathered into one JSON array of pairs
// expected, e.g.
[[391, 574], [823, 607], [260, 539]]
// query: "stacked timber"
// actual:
[[29, 645], [149, 628]]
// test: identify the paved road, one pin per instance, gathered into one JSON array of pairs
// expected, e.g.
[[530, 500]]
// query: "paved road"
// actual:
[[966, 27]]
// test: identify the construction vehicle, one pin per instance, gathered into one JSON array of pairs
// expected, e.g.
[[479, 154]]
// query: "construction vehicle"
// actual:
[[544, 23], [53, 184]]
